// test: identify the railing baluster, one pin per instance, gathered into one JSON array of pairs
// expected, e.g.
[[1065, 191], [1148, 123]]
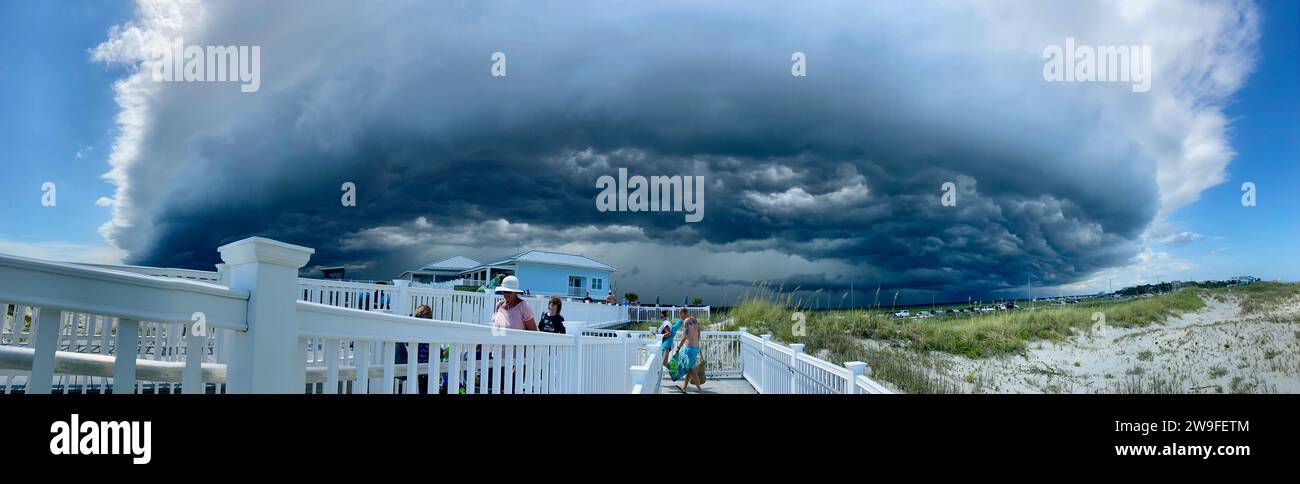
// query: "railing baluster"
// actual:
[[434, 371], [390, 356], [361, 353], [125, 352], [192, 375], [453, 370], [41, 379], [412, 365], [331, 366], [512, 378]]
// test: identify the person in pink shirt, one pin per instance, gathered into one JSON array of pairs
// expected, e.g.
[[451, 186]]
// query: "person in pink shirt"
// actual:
[[512, 312]]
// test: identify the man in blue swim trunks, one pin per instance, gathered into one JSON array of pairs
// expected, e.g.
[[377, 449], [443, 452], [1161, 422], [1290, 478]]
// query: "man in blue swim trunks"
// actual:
[[688, 353]]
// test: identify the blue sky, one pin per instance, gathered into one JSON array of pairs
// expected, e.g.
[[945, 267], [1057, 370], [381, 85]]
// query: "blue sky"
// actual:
[[1260, 240], [57, 104], [58, 124]]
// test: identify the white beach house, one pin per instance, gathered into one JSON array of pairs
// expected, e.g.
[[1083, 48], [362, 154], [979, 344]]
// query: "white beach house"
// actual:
[[539, 272]]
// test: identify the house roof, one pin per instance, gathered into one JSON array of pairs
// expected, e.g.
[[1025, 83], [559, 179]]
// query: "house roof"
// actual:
[[554, 258], [453, 263]]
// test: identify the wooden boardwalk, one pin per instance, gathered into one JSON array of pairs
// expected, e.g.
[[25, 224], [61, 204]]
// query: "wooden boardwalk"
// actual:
[[720, 386]]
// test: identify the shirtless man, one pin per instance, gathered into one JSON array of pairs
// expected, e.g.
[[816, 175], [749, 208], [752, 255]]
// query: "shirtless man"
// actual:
[[689, 350]]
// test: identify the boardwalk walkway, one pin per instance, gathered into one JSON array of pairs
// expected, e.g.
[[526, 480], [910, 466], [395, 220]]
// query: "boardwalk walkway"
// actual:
[[720, 386]]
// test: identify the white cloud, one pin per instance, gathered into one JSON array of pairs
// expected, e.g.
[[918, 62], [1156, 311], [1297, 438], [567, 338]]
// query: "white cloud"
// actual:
[[63, 251], [1147, 267]]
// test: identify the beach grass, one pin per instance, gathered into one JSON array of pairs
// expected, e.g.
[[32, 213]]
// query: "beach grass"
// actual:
[[1261, 297], [974, 336]]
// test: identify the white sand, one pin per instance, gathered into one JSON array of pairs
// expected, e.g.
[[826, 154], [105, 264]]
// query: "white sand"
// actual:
[[1201, 352]]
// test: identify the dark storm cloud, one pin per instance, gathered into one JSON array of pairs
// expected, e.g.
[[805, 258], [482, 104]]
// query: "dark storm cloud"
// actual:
[[844, 165]]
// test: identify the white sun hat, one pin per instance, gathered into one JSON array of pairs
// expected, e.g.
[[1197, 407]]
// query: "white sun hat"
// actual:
[[509, 284]]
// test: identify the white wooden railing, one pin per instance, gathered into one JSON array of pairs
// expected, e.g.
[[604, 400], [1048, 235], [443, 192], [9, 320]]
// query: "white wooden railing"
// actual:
[[652, 313], [264, 330], [447, 305], [130, 327], [720, 350], [98, 329], [771, 367], [168, 272]]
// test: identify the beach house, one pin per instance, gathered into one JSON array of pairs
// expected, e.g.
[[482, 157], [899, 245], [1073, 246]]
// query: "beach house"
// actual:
[[539, 272], [445, 270]]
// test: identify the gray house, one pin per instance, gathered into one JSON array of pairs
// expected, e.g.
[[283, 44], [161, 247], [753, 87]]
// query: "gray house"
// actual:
[[448, 269]]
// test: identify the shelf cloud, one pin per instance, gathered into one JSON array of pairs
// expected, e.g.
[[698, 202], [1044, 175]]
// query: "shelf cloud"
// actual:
[[833, 178]]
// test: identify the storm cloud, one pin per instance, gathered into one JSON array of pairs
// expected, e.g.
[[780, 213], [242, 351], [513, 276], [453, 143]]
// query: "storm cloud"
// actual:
[[837, 174]]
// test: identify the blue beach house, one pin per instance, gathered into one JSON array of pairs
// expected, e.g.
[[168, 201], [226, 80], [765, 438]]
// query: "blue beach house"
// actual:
[[539, 272]]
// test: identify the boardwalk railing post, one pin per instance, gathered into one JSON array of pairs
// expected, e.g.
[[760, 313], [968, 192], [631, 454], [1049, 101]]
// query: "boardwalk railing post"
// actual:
[[401, 306], [856, 369], [264, 359], [578, 375], [629, 354], [762, 365], [797, 349]]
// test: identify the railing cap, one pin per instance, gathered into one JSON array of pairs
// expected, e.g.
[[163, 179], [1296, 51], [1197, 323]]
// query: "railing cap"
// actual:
[[261, 249], [857, 367]]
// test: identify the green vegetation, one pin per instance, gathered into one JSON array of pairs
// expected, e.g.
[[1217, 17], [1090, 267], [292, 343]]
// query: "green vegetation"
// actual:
[[1137, 384], [1260, 297], [1218, 372], [975, 336], [899, 349]]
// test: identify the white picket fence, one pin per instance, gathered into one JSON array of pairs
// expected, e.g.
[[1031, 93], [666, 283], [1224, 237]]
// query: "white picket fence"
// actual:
[[265, 330]]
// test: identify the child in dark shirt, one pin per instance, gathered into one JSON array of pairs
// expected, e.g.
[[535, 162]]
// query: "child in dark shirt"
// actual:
[[552, 322]]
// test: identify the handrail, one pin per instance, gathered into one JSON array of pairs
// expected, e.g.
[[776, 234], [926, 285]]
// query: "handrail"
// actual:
[[348, 284], [324, 321], [169, 272], [91, 364], [70, 287]]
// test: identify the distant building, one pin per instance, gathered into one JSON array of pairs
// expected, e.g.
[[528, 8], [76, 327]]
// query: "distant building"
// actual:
[[333, 273], [444, 270], [1243, 279], [539, 272]]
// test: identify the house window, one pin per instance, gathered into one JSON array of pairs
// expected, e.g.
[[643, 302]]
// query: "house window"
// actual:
[[577, 285], [597, 283]]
